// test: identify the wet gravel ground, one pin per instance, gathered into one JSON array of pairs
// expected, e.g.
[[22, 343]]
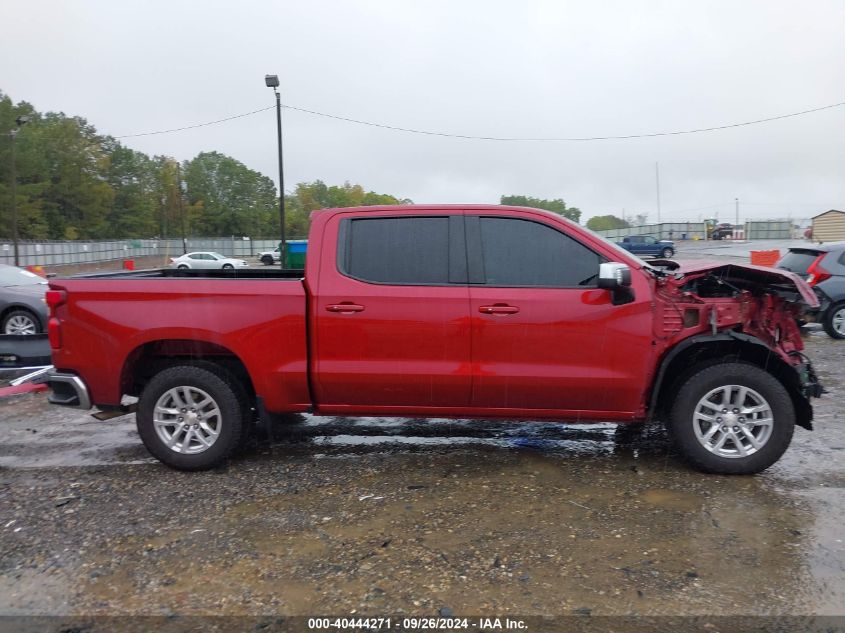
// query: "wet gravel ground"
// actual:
[[358, 515], [401, 516]]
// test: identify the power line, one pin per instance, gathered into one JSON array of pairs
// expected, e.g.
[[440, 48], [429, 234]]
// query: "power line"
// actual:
[[478, 138], [191, 127], [485, 138], [553, 139]]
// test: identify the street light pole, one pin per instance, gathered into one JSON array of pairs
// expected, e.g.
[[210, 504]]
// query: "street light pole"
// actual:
[[20, 121], [272, 81], [13, 134]]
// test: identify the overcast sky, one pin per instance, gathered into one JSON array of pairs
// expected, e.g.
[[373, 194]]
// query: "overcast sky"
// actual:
[[516, 69]]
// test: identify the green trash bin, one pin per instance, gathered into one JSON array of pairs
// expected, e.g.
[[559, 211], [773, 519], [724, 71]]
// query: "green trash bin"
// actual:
[[296, 250]]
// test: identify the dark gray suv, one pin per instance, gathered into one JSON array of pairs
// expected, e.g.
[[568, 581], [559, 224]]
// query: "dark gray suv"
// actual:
[[823, 267]]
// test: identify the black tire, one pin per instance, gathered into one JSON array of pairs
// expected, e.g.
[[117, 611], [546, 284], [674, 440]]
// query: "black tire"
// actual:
[[667, 252], [18, 316], [227, 394], [267, 260], [228, 267], [183, 267], [697, 386], [833, 315]]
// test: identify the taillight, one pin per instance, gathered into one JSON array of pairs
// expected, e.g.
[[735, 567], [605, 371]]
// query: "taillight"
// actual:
[[815, 273], [54, 333], [54, 299]]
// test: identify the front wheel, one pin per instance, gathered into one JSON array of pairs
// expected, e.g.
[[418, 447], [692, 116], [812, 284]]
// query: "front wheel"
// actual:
[[834, 320], [666, 253], [228, 267], [191, 418], [267, 260], [732, 419]]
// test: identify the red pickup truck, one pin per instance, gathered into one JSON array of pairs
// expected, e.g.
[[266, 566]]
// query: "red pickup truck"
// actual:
[[443, 311]]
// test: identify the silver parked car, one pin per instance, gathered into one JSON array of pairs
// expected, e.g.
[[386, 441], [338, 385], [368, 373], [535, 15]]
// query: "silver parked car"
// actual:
[[22, 306], [206, 259]]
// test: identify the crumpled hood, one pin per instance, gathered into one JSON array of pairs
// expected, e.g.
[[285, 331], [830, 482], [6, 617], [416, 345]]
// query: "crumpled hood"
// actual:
[[773, 277]]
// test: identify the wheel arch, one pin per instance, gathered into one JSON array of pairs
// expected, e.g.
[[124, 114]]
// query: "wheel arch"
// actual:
[[697, 352], [153, 356]]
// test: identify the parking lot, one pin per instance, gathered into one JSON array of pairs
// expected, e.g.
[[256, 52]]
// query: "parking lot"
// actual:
[[358, 515]]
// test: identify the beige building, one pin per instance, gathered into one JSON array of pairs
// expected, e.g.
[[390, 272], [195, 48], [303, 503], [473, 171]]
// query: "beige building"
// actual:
[[829, 226]]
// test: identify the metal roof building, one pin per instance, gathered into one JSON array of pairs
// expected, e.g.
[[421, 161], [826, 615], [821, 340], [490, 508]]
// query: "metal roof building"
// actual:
[[829, 226]]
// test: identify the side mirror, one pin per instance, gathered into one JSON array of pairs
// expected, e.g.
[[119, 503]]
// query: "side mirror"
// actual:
[[613, 275]]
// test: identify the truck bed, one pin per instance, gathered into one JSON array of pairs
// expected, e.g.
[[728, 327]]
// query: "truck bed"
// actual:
[[254, 316], [267, 272]]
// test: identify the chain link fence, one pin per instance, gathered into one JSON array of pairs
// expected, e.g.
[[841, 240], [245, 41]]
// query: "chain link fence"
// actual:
[[751, 230], [57, 253]]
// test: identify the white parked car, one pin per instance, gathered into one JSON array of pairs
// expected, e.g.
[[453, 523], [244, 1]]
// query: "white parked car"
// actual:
[[268, 258], [206, 259]]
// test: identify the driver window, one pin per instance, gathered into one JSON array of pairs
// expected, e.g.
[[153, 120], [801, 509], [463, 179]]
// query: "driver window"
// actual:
[[526, 253]]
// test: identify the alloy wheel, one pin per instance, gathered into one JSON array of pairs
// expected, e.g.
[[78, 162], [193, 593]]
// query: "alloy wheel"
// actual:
[[187, 420], [733, 421]]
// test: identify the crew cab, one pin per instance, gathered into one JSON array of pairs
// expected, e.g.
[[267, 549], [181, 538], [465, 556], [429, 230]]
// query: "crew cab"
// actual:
[[647, 245], [442, 311]]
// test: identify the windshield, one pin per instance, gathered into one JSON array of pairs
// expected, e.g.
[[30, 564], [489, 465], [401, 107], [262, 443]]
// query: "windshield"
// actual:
[[16, 277]]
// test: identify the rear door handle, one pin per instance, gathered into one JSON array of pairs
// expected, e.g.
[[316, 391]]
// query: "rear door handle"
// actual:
[[345, 307], [499, 308]]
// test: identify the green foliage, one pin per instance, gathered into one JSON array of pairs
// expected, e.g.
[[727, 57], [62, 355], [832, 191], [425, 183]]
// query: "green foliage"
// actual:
[[606, 222], [73, 183], [310, 196], [236, 200], [556, 206]]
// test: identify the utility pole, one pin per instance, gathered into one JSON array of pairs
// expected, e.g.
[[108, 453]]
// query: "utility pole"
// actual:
[[736, 202], [657, 180], [20, 121], [272, 81], [181, 207], [13, 134]]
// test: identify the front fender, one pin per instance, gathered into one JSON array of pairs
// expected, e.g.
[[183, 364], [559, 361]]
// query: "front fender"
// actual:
[[799, 378]]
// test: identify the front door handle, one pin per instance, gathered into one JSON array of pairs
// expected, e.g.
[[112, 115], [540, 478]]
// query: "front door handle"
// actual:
[[499, 308], [344, 308]]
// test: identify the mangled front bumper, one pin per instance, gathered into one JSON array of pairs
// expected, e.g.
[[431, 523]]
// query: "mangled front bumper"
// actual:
[[810, 385]]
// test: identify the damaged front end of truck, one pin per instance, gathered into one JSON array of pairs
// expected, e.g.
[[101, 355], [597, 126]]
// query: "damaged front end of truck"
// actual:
[[711, 313]]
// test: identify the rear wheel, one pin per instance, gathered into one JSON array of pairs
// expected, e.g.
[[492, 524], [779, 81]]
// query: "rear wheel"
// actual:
[[834, 320], [21, 322], [666, 253], [190, 417], [732, 419]]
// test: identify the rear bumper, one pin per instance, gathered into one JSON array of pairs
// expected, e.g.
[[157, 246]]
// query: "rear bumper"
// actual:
[[68, 390]]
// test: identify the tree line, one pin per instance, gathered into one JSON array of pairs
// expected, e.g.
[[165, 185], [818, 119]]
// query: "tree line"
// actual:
[[75, 183]]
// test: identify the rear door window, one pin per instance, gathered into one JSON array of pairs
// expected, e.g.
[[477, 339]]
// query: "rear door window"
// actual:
[[405, 251]]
